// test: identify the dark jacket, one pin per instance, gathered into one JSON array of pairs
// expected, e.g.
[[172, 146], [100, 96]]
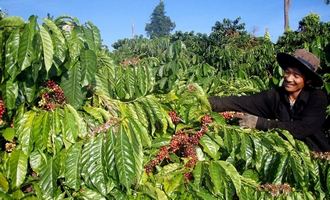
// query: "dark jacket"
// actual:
[[304, 120]]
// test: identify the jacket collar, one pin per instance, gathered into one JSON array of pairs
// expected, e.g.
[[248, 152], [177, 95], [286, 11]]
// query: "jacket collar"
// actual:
[[302, 97]]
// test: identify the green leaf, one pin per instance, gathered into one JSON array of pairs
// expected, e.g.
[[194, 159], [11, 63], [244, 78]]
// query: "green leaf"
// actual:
[[47, 46], [140, 128], [120, 86], [35, 69], [232, 140], [71, 86], [25, 49], [328, 179], [93, 168], [88, 194], [223, 174], [246, 148], [74, 41], [161, 194], [96, 35], [259, 151], [12, 45], [88, 61], [124, 157], [159, 114], [147, 114], [94, 112], [41, 130], [9, 134], [78, 120], [210, 147], [12, 21], [136, 142], [10, 94], [105, 79], [89, 38], [138, 108], [6, 196], [172, 183], [29, 88], [36, 161], [130, 85], [251, 174], [278, 169], [73, 166], [143, 80], [201, 96], [4, 185], [17, 167], [204, 194], [216, 177], [109, 155], [24, 132], [2, 42], [198, 174], [70, 129], [59, 43], [297, 168], [48, 177]]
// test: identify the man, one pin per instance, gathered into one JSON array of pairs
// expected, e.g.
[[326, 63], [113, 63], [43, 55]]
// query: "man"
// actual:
[[297, 106]]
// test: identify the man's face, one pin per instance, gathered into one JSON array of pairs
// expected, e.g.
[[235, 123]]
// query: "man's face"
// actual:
[[294, 80]]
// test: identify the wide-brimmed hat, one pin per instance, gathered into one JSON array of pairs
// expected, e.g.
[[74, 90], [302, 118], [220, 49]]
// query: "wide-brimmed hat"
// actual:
[[307, 62]]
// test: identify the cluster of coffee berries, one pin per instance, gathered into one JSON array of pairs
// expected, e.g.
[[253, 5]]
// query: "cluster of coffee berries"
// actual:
[[276, 189], [179, 139], [320, 155], [52, 96], [161, 155], [2, 109], [182, 145], [232, 117], [190, 153], [206, 119], [174, 117], [228, 114]]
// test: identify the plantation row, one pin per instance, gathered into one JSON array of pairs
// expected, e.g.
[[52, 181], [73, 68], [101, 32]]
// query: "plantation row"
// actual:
[[80, 122]]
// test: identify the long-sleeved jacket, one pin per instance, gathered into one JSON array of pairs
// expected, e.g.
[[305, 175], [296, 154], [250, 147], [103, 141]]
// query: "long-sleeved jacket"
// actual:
[[304, 120]]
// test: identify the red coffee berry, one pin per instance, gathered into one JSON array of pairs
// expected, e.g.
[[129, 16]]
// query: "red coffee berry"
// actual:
[[188, 177], [2, 108], [174, 117], [206, 119], [52, 97]]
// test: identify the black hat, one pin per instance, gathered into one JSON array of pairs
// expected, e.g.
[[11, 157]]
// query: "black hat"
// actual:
[[307, 62]]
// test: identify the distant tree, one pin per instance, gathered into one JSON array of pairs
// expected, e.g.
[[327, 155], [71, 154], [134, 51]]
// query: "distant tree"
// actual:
[[228, 31], [160, 24], [310, 30], [122, 42], [310, 24], [3, 14], [228, 27]]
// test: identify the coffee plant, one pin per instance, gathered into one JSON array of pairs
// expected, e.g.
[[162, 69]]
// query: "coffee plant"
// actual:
[[80, 122]]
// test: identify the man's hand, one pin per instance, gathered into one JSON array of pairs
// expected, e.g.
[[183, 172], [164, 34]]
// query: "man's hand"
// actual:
[[247, 120]]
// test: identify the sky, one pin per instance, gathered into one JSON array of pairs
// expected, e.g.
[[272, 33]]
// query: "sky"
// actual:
[[119, 19]]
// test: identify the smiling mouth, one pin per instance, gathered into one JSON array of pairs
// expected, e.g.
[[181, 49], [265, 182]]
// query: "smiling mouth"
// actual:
[[287, 83]]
